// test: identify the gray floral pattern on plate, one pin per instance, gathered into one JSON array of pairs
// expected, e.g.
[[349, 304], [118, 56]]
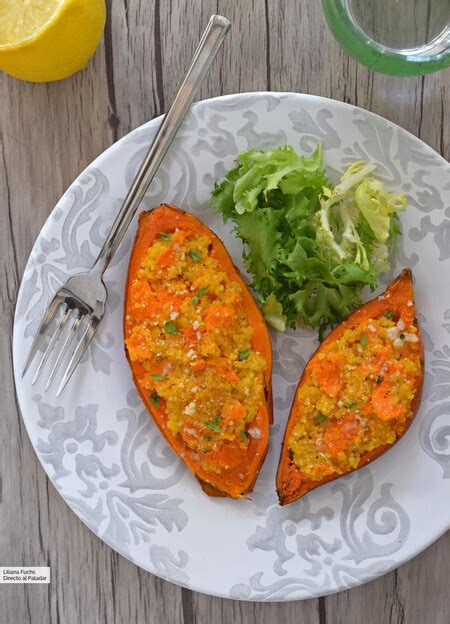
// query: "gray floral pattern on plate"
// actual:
[[108, 459]]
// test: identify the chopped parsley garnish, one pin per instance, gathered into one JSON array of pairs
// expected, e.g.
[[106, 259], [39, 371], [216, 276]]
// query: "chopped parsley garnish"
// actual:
[[379, 380], [243, 355], [389, 314], [243, 436], [214, 424], [195, 299], [364, 340], [402, 336], [207, 438], [158, 377], [195, 255], [154, 400], [170, 328], [350, 404], [320, 418], [290, 454], [165, 236]]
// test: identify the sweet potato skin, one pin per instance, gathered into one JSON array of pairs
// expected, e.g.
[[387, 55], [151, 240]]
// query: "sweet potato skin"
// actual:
[[289, 483], [168, 218]]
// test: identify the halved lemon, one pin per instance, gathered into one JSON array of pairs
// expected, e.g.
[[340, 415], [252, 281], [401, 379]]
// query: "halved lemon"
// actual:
[[44, 40]]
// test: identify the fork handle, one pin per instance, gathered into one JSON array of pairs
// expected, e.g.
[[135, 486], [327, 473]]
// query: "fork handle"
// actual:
[[210, 43]]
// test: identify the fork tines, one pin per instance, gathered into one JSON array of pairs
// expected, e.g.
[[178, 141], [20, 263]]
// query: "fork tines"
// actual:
[[68, 311]]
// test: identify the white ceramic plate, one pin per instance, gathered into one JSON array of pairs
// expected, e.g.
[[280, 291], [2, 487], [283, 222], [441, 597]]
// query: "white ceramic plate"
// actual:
[[107, 458]]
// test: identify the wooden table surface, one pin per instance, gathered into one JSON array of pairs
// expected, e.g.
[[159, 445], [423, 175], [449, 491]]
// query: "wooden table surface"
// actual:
[[48, 134]]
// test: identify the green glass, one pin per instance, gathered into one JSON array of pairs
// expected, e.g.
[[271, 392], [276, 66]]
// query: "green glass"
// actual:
[[400, 37]]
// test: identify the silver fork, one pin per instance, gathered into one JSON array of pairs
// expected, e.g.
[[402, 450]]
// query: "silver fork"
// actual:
[[83, 297]]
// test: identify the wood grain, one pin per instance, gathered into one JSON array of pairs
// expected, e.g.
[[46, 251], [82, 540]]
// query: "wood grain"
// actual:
[[48, 134]]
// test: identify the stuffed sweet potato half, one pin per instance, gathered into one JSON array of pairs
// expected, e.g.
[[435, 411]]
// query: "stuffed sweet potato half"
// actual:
[[358, 394], [199, 350]]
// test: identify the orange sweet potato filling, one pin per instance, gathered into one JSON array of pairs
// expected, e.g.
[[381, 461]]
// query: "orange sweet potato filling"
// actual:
[[358, 393], [199, 350]]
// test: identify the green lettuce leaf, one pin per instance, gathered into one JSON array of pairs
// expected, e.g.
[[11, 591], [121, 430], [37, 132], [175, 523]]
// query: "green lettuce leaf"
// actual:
[[310, 247], [377, 204], [259, 231], [273, 313]]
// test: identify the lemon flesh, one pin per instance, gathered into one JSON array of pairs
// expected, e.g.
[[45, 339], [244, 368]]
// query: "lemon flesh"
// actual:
[[22, 19], [44, 40]]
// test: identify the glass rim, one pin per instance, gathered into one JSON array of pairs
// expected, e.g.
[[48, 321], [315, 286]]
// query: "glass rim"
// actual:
[[375, 55]]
